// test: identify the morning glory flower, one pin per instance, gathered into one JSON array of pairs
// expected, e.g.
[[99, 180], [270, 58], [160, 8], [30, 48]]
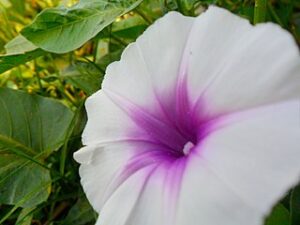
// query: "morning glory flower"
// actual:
[[198, 123]]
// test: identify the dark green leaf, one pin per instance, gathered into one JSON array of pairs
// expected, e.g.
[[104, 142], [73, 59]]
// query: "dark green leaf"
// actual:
[[80, 214], [19, 177], [64, 29], [131, 32], [31, 128]]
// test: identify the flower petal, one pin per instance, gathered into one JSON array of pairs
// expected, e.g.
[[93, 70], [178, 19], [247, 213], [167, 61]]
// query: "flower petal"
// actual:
[[101, 170], [205, 198], [122, 203], [147, 197], [148, 69], [108, 123], [143, 204], [141, 77], [243, 168], [230, 178], [105, 168], [233, 65]]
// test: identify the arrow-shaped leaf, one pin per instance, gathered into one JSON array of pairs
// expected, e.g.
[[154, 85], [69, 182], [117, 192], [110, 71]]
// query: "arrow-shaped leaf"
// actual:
[[62, 29]]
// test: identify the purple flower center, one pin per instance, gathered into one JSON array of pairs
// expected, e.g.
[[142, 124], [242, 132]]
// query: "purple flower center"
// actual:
[[173, 135], [173, 131]]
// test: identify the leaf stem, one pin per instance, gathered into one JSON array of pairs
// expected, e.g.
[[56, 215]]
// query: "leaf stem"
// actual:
[[260, 10], [38, 76], [95, 50], [64, 151]]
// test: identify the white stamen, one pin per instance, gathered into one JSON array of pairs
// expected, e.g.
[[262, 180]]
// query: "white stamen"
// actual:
[[187, 148]]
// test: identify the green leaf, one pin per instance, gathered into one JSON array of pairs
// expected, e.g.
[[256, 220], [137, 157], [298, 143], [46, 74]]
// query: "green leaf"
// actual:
[[18, 178], [31, 128], [8, 62], [295, 206], [62, 29], [18, 51], [279, 216], [25, 217], [80, 214], [19, 45], [85, 76]]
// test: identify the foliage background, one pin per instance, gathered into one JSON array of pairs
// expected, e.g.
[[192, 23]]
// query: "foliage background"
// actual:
[[46, 77]]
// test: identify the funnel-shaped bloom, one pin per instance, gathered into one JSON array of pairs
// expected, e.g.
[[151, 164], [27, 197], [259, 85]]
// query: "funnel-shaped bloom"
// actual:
[[198, 123]]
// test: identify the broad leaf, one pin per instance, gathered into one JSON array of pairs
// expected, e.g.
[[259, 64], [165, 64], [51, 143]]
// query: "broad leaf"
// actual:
[[19, 45], [21, 181], [31, 128], [62, 29]]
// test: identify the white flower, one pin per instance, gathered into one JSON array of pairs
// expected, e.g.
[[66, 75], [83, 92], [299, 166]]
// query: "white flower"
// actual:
[[198, 123]]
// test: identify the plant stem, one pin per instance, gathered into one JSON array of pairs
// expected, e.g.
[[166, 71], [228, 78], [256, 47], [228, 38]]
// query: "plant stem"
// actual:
[[260, 10], [38, 76], [95, 50], [64, 151]]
